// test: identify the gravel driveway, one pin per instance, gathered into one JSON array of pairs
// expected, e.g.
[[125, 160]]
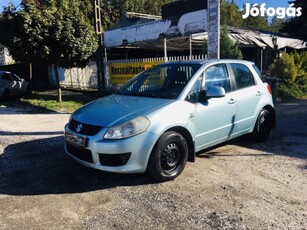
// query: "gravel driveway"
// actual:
[[235, 186]]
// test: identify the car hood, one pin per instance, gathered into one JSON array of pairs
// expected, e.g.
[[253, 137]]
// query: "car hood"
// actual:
[[117, 109]]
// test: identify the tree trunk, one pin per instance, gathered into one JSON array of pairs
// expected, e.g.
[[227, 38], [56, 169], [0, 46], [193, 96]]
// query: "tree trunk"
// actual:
[[58, 82], [31, 78]]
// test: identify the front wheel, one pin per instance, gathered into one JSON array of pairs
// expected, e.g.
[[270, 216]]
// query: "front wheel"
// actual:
[[262, 127], [168, 157]]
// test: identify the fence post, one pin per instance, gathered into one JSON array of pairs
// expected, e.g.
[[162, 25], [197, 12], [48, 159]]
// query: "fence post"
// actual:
[[165, 51]]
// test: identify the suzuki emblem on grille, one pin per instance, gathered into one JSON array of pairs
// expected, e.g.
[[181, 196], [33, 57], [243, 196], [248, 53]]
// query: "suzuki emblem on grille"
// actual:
[[79, 127]]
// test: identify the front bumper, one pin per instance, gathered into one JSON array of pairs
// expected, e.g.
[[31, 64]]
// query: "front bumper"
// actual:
[[128, 155]]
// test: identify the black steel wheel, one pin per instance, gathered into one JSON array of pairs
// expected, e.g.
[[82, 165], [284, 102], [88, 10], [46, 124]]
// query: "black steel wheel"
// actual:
[[262, 127], [168, 157]]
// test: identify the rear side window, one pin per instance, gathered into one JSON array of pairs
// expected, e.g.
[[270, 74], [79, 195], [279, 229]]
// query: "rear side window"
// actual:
[[244, 77], [259, 73], [217, 75]]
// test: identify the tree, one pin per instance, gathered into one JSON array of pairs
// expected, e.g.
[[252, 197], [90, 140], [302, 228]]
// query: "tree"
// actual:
[[297, 26], [258, 22], [276, 25], [52, 32], [230, 14], [145, 6], [228, 48], [112, 10]]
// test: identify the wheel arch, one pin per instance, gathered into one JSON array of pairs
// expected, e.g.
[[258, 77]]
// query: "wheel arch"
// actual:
[[272, 115], [188, 137]]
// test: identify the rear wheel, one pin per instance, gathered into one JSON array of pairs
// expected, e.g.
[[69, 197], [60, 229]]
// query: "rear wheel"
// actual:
[[168, 157], [262, 127]]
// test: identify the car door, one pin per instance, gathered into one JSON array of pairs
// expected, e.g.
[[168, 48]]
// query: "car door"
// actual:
[[215, 118], [10, 83], [16, 84], [249, 95]]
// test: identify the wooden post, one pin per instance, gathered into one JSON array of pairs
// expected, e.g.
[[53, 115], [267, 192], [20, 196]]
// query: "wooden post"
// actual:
[[58, 82], [31, 76]]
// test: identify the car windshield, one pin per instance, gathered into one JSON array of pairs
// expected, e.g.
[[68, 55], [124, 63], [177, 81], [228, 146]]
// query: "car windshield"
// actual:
[[161, 81]]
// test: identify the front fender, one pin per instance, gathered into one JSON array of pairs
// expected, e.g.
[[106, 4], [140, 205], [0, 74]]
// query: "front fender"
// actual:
[[178, 114]]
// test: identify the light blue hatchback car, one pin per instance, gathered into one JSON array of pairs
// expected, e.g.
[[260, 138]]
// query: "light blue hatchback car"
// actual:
[[163, 116]]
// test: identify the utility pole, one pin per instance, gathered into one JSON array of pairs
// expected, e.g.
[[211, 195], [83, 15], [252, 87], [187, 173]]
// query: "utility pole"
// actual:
[[214, 29], [99, 56]]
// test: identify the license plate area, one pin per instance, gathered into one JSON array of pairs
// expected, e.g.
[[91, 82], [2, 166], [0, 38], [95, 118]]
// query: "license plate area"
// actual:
[[75, 139]]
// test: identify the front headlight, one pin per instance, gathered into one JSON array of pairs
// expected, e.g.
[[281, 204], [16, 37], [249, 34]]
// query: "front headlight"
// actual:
[[128, 129]]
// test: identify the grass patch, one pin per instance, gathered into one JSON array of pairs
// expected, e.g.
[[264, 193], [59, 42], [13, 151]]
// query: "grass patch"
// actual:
[[64, 106], [71, 101]]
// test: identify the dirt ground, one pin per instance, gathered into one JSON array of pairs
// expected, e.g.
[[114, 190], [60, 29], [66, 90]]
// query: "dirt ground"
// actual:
[[239, 185]]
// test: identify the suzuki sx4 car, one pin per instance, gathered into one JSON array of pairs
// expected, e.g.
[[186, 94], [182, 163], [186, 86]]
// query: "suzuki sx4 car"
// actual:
[[162, 117]]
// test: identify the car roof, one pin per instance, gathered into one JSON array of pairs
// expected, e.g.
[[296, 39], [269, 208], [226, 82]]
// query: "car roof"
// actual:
[[201, 62], [3, 71]]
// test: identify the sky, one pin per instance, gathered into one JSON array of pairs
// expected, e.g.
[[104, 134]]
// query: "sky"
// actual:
[[269, 3], [6, 2]]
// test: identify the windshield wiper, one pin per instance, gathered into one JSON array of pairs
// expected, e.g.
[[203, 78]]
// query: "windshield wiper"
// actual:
[[141, 94]]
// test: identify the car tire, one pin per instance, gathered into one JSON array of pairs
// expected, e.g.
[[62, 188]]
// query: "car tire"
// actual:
[[168, 157], [262, 127]]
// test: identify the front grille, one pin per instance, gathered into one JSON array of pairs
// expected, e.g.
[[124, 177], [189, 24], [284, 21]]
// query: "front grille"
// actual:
[[79, 152], [83, 128], [114, 159]]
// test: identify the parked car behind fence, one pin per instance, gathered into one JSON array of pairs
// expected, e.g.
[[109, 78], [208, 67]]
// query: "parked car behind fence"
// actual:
[[11, 85]]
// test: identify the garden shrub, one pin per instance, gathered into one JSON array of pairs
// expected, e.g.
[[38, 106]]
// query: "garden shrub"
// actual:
[[292, 70], [284, 67], [289, 89]]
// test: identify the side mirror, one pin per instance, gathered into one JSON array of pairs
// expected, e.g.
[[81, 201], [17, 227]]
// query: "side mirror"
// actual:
[[211, 92]]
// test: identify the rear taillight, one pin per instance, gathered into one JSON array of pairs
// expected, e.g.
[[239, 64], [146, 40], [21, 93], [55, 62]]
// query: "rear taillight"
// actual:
[[269, 89]]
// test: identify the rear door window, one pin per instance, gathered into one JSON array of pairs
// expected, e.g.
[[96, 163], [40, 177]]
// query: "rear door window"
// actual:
[[243, 76]]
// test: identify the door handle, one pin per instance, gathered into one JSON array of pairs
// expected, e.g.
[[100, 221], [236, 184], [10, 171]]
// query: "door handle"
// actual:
[[231, 101], [258, 93]]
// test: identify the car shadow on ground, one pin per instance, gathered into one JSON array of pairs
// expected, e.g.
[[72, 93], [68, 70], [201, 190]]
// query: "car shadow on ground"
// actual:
[[287, 139], [268, 148], [42, 167]]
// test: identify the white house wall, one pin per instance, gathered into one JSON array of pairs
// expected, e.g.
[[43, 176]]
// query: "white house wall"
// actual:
[[80, 78]]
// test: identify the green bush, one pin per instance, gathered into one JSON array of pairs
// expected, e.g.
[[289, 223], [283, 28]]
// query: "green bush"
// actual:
[[292, 69], [289, 89], [301, 81], [284, 67], [304, 61]]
